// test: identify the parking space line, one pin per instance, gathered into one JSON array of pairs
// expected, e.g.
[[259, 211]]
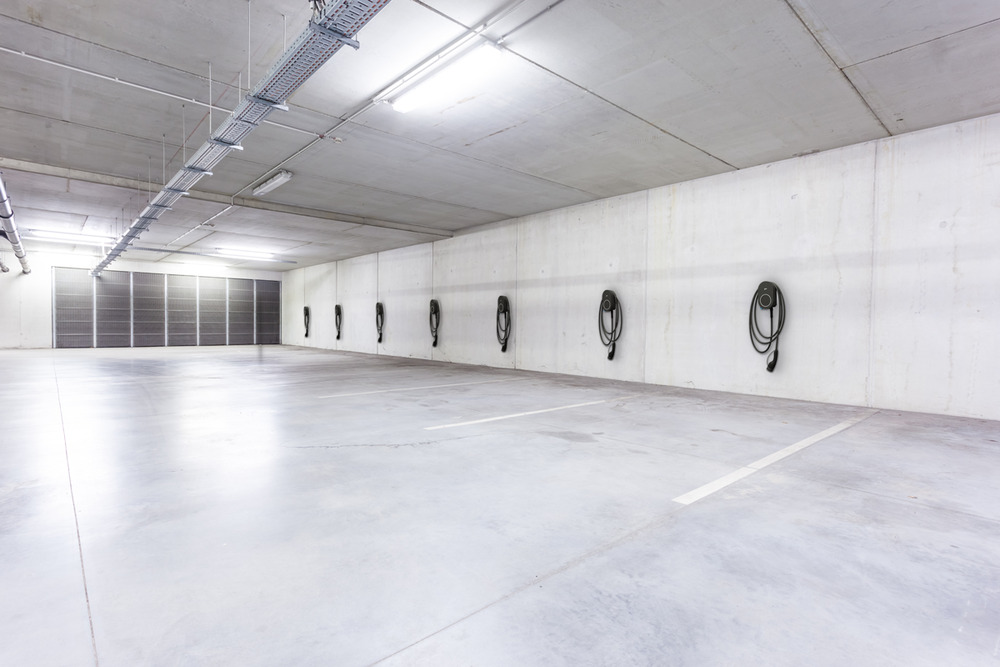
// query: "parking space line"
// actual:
[[735, 476], [431, 386], [525, 414]]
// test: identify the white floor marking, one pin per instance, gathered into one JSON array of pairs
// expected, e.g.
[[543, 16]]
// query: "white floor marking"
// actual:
[[525, 414], [432, 386], [760, 464]]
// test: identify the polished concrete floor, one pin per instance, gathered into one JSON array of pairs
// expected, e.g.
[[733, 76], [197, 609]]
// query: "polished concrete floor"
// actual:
[[283, 506]]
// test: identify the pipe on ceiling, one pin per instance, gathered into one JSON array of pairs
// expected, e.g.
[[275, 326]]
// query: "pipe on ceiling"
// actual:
[[10, 229], [149, 89], [322, 38]]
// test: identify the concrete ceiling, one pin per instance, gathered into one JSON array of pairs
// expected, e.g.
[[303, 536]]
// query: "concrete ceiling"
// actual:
[[593, 98]]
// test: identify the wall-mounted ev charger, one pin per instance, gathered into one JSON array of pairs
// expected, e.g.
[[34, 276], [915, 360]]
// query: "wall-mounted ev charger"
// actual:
[[503, 322], [379, 319], [435, 320], [610, 327], [767, 297]]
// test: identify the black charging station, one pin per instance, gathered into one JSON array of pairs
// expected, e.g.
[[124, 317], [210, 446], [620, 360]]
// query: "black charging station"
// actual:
[[770, 298], [379, 319], [435, 320], [338, 318], [503, 322], [611, 326], [305, 315]]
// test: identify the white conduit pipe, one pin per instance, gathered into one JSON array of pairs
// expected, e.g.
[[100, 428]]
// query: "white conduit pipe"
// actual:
[[10, 229]]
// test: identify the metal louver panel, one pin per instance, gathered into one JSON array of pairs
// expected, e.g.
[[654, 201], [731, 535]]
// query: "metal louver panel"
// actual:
[[241, 304], [113, 310], [122, 309], [337, 25], [211, 311], [149, 325], [73, 295], [182, 310], [268, 301]]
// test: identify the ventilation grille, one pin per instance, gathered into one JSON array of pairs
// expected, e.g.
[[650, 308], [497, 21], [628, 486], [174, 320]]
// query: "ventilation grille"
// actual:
[[212, 311], [241, 312], [73, 309], [122, 309], [113, 309], [268, 312], [182, 310], [149, 305]]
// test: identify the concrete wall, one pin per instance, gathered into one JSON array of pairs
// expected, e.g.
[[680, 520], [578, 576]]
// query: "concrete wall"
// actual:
[[470, 273], [565, 261], [886, 253], [293, 298], [320, 283], [357, 292], [804, 224], [936, 292], [315, 287], [404, 288], [26, 300]]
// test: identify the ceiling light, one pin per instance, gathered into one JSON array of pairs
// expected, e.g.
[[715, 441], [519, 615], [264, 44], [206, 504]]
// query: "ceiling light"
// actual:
[[70, 237], [246, 254], [451, 82], [275, 181]]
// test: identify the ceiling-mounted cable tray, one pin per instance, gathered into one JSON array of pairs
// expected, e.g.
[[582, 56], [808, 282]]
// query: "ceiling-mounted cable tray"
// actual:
[[336, 26]]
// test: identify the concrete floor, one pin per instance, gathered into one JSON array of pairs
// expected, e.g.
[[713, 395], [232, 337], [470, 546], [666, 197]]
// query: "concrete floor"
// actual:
[[282, 506]]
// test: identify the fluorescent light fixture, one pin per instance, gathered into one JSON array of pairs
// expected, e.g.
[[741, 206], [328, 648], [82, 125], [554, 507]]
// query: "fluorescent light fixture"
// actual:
[[451, 82], [246, 254], [275, 181], [70, 237]]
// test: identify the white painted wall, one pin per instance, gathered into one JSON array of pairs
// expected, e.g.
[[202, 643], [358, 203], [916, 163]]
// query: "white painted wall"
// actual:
[[26, 300], [886, 252]]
